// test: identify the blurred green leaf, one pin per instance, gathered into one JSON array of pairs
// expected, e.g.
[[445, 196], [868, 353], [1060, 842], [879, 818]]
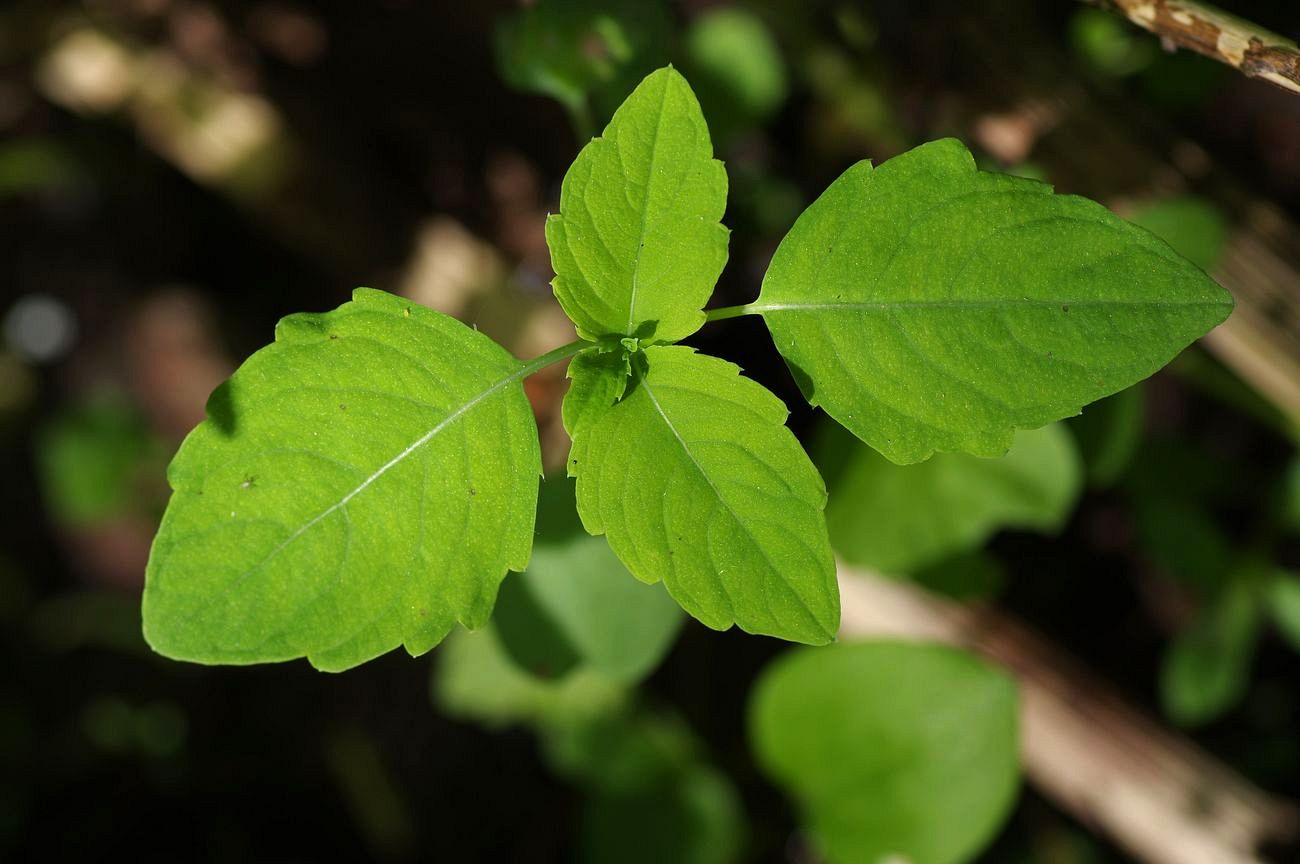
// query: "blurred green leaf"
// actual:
[[1109, 433], [971, 575], [577, 602], [1110, 45], [475, 679], [1206, 668], [890, 749], [1194, 227], [583, 52], [736, 69], [1283, 600], [652, 794], [91, 460], [696, 819], [34, 165], [901, 518], [1185, 541], [1183, 81], [653, 797], [622, 752]]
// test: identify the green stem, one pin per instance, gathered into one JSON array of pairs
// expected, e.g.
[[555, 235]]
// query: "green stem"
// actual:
[[564, 352], [725, 312]]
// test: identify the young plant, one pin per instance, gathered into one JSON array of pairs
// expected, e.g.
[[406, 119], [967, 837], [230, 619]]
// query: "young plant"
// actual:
[[367, 480]]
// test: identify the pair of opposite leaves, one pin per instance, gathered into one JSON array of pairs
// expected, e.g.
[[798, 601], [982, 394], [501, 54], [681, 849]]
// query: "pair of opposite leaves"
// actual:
[[367, 480]]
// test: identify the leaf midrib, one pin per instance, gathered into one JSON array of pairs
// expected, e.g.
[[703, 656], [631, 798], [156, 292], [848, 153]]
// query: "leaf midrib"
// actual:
[[741, 523], [645, 212], [886, 306], [383, 469]]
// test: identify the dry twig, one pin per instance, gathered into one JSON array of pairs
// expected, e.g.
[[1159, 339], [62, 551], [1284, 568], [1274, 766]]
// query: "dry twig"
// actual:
[[1249, 48]]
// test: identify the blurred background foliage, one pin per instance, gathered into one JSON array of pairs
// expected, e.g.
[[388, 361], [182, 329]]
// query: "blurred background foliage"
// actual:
[[175, 175]]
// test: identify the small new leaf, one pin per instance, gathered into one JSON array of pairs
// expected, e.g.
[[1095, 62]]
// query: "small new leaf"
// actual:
[[637, 245], [929, 306], [363, 482], [697, 482]]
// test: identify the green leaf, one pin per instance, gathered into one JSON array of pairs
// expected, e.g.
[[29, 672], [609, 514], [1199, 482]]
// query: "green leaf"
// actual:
[[968, 576], [577, 602], [1193, 227], [363, 482], [929, 306], [622, 752], [578, 51], [1284, 605], [1207, 667], [737, 69], [697, 483], [92, 461], [1109, 433], [637, 245], [900, 519], [893, 751], [475, 679], [695, 819]]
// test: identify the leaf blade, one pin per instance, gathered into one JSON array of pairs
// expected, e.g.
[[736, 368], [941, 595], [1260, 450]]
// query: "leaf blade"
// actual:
[[696, 482], [900, 519], [294, 506], [576, 602], [940, 773], [928, 306], [638, 244]]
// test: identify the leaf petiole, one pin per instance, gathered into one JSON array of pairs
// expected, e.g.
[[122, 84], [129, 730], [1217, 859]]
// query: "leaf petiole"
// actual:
[[555, 355], [722, 313]]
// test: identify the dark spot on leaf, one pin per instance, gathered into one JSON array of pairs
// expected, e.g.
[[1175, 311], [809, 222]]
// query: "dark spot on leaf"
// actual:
[[249, 482], [334, 335], [1065, 309], [343, 407], [424, 613], [473, 491]]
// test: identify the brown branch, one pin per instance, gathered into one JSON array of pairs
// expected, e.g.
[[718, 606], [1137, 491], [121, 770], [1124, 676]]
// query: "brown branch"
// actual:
[[1200, 27]]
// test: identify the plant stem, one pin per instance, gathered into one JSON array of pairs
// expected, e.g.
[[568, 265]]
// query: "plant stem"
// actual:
[[725, 312], [551, 357]]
